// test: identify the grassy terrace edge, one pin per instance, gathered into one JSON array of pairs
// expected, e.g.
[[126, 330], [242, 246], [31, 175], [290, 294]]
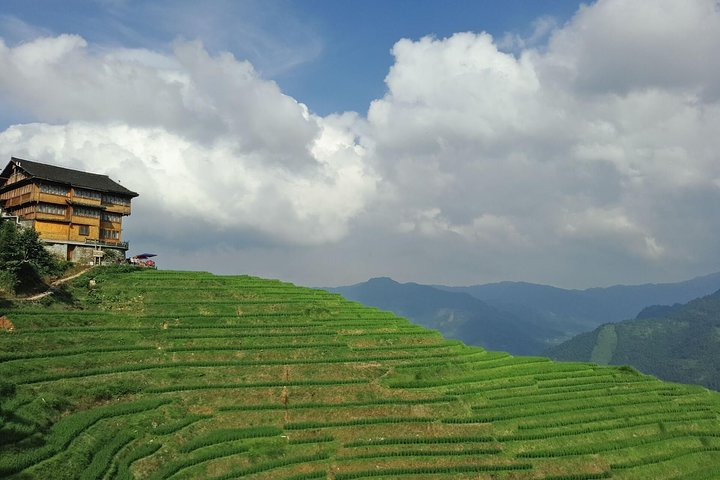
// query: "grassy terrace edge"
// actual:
[[162, 374]]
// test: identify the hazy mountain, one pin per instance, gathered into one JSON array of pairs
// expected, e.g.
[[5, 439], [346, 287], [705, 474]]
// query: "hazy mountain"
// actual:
[[519, 317], [575, 311], [455, 314], [683, 345]]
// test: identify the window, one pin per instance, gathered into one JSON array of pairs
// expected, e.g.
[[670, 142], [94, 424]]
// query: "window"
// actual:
[[115, 200], [81, 192], [53, 189], [86, 212], [111, 234], [84, 230], [111, 217], [52, 209]]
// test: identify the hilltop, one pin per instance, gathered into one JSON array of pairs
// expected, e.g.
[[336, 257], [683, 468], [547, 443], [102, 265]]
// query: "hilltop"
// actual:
[[678, 343], [153, 374]]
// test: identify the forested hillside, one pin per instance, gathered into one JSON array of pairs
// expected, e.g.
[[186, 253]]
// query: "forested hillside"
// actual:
[[681, 343]]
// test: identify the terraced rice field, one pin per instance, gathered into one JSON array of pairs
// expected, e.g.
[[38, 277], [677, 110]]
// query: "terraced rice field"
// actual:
[[160, 375]]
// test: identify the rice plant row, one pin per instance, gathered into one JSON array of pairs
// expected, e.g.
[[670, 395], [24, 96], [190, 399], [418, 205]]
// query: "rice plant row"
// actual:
[[581, 476], [67, 353], [317, 405], [172, 427], [589, 387], [650, 384], [463, 357], [650, 459], [324, 438], [614, 427], [240, 348], [232, 386], [220, 451], [142, 451], [228, 435], [613, 415], [421, 441], [305, 334], [263, 467], [425, 453], [419, 346], [68, 428], [129, 368], [102, 458], [557, 398], [482, 389], [474, 468], [320, 474], [442, 382], [598, 447], [538, 412], [358, 422]]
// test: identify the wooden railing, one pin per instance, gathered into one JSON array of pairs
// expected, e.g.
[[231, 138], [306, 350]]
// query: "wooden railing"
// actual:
[[108, 243]]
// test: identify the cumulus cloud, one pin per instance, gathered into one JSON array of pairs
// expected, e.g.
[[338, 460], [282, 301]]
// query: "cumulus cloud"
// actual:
[[200, 136], [586, 153], [597, 139]]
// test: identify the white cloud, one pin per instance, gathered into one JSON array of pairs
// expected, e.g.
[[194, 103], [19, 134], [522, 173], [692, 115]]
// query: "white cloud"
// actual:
[[542, 27], [477, 164], [620, 46], [610, 125], [200, 137], [612, 226]]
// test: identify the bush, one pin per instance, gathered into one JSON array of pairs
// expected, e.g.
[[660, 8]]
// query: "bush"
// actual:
[[24, 259], [7, 281]]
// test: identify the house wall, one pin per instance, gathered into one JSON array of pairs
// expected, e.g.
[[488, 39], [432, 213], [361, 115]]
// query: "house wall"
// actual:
[[67, 226], [82, 253], [58, 249]]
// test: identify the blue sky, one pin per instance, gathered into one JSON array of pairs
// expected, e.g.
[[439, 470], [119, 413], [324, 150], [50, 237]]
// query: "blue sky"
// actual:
[[330, 54], [327, 142]]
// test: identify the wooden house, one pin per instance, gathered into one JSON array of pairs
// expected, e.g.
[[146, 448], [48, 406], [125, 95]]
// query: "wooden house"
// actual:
[[77, 214]]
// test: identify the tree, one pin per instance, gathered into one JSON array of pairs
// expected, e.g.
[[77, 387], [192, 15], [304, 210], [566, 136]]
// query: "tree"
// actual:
[[23, 258]]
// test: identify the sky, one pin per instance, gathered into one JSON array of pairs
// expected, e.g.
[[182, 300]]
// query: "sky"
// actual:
[[325, 142]]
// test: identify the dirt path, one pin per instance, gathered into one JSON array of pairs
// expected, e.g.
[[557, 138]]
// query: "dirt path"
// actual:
[[57, 282]]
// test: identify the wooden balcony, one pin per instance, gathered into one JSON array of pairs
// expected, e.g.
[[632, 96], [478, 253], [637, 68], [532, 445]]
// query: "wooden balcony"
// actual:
[[114, 208], [105, 242]]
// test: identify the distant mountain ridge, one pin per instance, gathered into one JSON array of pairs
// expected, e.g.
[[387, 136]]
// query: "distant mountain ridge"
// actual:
[[586, 309], [456, 315], [681, 343], [520, 317]]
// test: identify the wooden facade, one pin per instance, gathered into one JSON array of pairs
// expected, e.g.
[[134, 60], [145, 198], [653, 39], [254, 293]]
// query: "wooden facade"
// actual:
[[71, 210]]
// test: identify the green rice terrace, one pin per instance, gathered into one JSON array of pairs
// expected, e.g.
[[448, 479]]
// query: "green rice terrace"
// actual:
[[161, 374]]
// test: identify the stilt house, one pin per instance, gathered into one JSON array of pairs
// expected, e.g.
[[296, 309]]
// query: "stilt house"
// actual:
[[77, 214]]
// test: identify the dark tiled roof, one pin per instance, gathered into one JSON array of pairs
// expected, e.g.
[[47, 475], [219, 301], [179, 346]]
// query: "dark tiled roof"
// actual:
[[76, 178]]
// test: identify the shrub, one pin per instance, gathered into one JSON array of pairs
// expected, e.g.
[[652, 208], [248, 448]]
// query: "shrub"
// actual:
[[24, 259]]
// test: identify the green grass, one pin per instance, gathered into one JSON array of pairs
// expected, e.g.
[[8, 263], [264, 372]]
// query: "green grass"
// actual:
[[155, 374]]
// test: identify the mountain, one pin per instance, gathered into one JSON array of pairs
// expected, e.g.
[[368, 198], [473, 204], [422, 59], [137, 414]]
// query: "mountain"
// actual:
[[575, 311], [186, 375], [518, 317], [682, 344], [454, 314]]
